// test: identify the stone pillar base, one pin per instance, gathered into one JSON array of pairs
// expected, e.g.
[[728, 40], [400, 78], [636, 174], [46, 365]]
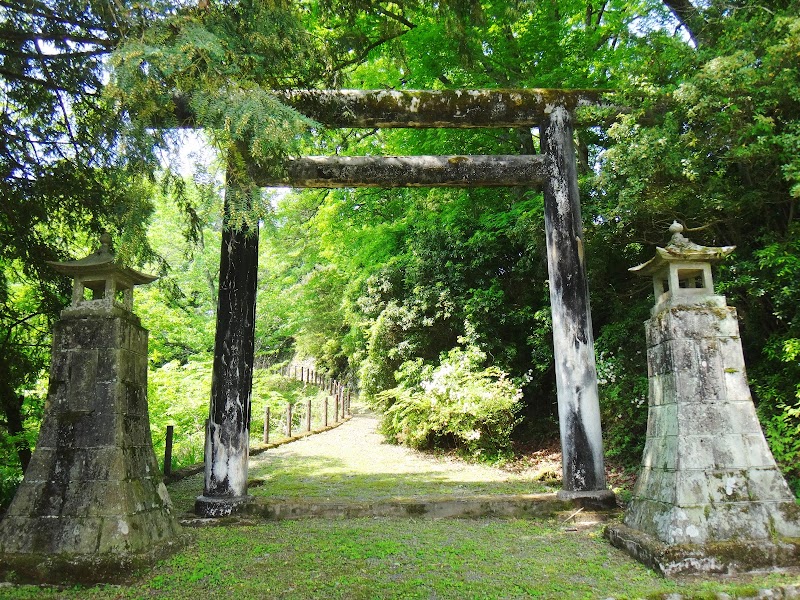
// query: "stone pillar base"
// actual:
[[205, 506], [89, 569], [724, 558], [593, 499]]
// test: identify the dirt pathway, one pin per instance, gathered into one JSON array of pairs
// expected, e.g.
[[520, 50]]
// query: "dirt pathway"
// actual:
[[355, 461]]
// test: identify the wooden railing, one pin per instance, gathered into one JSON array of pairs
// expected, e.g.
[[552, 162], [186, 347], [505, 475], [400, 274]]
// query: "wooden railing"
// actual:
[[334, 409], [339, 395]]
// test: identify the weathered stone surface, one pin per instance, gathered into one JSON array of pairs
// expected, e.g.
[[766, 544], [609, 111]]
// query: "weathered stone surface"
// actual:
[[692, 324], [709, 487], [731, 557], [92, 494], [434, 108], [573, 342], [423, 108], [503, 506], [409, 171], [227, 441]]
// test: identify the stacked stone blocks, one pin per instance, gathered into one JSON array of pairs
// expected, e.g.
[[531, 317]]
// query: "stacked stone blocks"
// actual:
[[709, 497], [707, 473], [93, 487]]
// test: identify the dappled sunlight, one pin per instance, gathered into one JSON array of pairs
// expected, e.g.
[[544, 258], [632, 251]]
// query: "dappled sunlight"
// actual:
[[354, 462]]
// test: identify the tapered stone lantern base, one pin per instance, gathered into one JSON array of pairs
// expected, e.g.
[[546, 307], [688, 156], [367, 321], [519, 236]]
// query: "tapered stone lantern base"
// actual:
[[92, 506], [709, 496]]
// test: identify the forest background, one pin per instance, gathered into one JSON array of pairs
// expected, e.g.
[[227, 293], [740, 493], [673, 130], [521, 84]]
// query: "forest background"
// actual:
[[433, 301]]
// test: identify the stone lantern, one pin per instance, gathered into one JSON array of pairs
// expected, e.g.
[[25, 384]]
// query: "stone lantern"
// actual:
[[709, 496], [99, 283], [92, 506], [682, 272]]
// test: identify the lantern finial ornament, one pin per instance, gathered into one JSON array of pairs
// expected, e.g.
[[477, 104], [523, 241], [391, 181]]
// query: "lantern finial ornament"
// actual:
[[105, 244]]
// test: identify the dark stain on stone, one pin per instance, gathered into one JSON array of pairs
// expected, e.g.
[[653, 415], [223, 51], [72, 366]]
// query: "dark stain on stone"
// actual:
[[579, 468]]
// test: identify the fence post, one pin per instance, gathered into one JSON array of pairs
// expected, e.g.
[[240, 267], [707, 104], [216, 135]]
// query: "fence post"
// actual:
[[336, 410], [325, 412], [308, 414], [266, 425], [302, 375], [289, 419], [168, 451]]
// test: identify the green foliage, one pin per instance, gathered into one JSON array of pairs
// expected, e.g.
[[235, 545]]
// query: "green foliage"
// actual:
[[178, 395], [712, 145], [623, 387], [366, 281], [179, 308], [456, 404], [67, 173], [216, 67], [387, 349]]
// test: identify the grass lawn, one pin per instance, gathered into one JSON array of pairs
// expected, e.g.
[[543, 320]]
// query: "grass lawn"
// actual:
[[392, 558]]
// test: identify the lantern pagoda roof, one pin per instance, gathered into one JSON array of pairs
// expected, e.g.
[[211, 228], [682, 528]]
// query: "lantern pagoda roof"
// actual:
[[102, 263], [681, 249]]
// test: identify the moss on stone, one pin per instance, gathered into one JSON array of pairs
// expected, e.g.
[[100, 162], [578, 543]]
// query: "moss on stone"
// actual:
[[434, 108], [71, 569]]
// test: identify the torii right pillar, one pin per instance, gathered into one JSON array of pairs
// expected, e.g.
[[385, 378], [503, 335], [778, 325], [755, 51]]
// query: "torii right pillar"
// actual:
[[584, 480], [709, 496]]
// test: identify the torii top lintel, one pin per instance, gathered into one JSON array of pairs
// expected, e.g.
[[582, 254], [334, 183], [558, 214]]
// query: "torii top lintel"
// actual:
[[435, 108]]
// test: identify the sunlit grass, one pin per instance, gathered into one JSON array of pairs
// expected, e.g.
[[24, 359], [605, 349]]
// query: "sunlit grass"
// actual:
[[393, 558]]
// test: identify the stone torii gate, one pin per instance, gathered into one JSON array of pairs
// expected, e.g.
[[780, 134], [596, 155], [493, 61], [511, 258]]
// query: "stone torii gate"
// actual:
[[552, 112]]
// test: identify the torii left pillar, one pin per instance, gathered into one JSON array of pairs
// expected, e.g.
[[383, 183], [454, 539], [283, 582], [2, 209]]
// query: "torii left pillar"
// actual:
[[228, 429]]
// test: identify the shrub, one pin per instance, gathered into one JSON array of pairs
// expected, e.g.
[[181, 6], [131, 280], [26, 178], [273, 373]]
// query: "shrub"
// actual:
[[455, 404]]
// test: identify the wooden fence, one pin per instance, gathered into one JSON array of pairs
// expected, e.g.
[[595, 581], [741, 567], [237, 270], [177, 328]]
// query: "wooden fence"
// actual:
[[296, 419], [335, 407]]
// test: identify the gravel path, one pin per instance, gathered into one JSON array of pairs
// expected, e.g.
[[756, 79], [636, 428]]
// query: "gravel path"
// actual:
[[354, 461]]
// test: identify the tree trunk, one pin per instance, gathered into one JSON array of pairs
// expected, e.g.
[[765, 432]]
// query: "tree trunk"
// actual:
[[11, 405]]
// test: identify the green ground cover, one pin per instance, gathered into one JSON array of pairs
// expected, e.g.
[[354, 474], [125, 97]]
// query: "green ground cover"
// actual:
[[299, 481], [393, 558], [354, 463]]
